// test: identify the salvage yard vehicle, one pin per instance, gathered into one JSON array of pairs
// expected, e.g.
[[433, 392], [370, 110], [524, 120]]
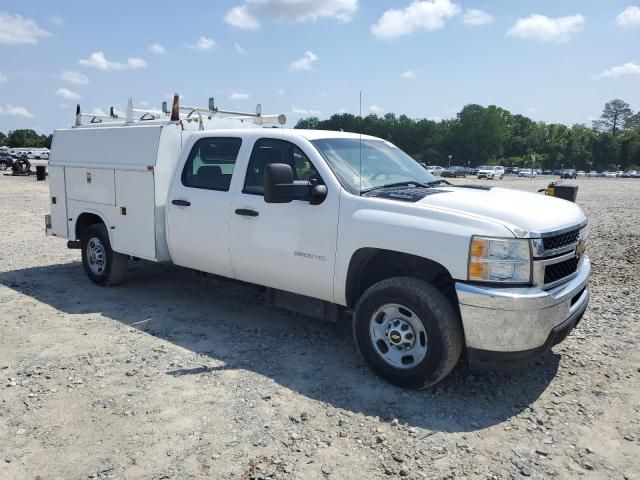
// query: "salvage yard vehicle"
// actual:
[[527, 172], [490, 172], [344, 223], [6, 160]]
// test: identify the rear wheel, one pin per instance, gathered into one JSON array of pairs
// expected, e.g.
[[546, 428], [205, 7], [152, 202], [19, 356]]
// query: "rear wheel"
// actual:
[[3, 165], [407, 332], [102, 265]]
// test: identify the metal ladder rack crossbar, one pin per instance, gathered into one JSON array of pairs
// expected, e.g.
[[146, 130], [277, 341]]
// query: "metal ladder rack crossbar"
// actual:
[[177, 113]]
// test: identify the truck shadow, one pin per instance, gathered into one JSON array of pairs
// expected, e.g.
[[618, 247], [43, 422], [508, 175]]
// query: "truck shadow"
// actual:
[[229, 323]]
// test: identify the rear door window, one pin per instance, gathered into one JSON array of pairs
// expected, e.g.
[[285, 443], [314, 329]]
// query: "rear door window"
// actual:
[[211, 163]]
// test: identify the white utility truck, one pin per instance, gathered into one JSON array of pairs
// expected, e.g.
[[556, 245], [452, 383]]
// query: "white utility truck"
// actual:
[[348, 223]]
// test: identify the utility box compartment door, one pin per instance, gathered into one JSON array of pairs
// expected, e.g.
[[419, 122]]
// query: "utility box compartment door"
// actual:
[[134, 232], [93, 185], [58, 202]]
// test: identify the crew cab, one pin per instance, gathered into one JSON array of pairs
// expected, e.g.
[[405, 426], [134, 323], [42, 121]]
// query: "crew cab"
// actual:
[[427, 271]]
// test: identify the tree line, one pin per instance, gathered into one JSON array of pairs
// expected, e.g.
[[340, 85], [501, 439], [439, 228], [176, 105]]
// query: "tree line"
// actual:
[[25, 138], [492, 135]]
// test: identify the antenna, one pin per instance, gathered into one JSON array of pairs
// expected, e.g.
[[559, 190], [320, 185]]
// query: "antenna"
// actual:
[[360, 132]]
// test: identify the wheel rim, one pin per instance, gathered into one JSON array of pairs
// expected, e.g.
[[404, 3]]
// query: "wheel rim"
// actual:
[[96, 256], [398, 336], [3, 166]]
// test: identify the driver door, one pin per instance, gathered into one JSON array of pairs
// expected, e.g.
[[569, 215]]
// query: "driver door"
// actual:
[[288, 246]]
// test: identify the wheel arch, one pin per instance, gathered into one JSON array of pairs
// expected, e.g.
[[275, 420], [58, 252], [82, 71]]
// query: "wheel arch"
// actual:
[[86, 219], [372, 265]]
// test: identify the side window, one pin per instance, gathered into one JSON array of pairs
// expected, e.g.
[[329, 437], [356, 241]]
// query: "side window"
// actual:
[[270, 150], [210, 163]]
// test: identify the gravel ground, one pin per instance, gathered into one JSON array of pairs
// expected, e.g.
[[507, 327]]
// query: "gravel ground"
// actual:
[[176, 376]]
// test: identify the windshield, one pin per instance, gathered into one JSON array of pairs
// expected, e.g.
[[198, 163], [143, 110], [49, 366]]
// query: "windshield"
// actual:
[[485, 167], [365, 164]]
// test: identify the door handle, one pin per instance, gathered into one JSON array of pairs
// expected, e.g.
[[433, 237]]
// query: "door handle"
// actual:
[[181, 203], [245, 212]]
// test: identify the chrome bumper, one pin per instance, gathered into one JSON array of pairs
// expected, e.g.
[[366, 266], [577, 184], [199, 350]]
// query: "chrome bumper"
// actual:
[[519, 319]]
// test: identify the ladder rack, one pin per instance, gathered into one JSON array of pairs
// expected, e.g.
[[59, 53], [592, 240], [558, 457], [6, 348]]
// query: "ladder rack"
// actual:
[[177, 113]]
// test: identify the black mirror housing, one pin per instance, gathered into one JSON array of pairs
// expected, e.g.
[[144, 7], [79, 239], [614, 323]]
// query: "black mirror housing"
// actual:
[[280, 187], [278, 183]]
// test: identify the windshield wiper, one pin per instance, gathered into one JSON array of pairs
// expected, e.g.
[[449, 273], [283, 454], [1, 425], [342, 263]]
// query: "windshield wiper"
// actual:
[[398, 184]]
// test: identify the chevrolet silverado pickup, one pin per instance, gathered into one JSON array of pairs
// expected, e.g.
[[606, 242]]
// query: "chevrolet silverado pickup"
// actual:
[[428, 271]]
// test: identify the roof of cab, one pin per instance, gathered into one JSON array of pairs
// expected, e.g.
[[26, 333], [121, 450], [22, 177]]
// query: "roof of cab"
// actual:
[[284, 133]]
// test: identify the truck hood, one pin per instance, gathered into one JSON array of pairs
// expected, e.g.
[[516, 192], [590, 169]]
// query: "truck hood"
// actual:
[[521, 212]]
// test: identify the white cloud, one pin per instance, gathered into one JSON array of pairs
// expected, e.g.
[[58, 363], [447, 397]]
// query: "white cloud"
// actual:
[[376, 109], [305, 63], [303, 111], [547, 29], [629, 17], [239, 50], [98, 61], [16, 30], [68, 94], [239, 96], [3, 78], [11, 111], [628, 69], [251, 13], [75, 78], [280, 92], [157, 49], [421, 14], [475, 17], [408, 74], [203, 44]]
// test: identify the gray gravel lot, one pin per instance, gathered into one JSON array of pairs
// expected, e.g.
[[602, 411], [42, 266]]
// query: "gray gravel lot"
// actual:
[[176, 376]]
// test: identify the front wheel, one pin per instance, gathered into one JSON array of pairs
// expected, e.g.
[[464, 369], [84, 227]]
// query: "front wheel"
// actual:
[[102, 265], [408, 332], [3, 165]]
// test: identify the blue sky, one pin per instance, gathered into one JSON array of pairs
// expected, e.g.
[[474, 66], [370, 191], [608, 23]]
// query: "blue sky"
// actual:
[[557, 61]]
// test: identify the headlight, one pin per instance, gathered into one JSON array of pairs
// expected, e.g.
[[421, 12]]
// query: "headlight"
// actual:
[[499, 260]]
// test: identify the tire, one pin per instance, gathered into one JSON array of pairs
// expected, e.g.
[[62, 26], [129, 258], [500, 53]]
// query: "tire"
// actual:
[[102, 265], [3, 165], [22, 166], [433, 323]]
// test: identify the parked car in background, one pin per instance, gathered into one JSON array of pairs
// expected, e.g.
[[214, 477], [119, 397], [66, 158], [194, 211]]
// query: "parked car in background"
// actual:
[[6, 160], [509, 170], [609, 174], [538, 171], [547, 172], [527, 172], [473, 171], [593, 173], [454, 172], [630, 174], [581, 173], [490, 172], [435, 170], [569, 173]]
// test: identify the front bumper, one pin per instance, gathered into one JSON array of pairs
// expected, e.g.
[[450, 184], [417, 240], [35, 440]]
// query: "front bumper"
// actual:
[[511, 325]]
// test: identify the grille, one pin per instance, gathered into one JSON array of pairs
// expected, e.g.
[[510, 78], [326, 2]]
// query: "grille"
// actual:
[[563, 240], [557, 271]]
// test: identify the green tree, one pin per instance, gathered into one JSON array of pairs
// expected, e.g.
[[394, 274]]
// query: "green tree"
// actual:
[[614, 118]]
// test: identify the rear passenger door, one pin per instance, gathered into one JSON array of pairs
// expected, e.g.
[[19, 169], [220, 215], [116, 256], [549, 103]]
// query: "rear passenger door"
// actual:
[[199, 206]]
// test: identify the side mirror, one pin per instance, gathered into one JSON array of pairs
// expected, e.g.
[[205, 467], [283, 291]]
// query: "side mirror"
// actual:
[[278, 183], [280, 187]]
